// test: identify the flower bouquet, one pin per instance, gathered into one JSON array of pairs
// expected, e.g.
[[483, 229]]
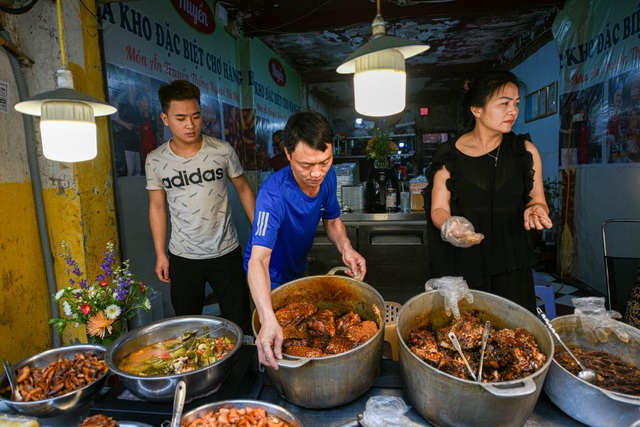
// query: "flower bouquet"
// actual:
[[380, 147], [104, 305]]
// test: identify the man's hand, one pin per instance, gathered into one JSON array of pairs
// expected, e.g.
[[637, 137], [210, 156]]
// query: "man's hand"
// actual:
[[269, 343], [162, 268], [356, 263]]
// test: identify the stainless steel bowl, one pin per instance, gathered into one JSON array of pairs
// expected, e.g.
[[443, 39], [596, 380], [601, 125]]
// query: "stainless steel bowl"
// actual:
[[161, 388], [61, 404], [271, 409]]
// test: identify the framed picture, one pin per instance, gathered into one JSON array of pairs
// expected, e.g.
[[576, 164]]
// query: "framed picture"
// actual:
[[531, 107], [543, 101], [552, 98]]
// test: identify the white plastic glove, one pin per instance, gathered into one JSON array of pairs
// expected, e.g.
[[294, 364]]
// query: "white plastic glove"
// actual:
[[453, 289], [597, 321], [458, 231]]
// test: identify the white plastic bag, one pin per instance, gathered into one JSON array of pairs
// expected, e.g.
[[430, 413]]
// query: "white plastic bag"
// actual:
[[453, 289], [597, 322], [386, 411]]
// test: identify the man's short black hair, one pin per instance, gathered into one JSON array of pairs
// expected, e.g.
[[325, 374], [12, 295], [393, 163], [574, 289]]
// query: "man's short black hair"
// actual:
[[177, 90], [309, 127]]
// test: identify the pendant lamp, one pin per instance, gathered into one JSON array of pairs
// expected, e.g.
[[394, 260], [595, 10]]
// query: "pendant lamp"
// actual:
[[380, 80], [67, 124]]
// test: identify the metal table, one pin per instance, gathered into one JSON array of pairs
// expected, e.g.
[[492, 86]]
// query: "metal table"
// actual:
[[245, 382]]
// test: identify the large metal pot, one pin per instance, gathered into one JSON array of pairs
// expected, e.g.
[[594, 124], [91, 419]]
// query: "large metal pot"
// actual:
[[586, 402], [161, 388], [446, 400], [324, 382]]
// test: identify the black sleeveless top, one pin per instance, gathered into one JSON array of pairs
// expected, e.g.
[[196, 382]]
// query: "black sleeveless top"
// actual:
[[493, 198]]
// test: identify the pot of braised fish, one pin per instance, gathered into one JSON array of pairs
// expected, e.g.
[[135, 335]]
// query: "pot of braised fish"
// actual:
[[151, 360], [516, 360], [614, 398], [333, 339]]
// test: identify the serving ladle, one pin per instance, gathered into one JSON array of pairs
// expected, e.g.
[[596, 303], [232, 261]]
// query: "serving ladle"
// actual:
[[13, 382], [586, 374]]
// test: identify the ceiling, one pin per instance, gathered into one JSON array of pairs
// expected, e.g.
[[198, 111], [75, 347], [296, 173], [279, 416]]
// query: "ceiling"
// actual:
[[316, 36]]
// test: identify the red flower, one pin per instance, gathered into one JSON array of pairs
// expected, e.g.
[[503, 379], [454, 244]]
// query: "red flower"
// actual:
[[103, 283], [86, 309], [142, 288]]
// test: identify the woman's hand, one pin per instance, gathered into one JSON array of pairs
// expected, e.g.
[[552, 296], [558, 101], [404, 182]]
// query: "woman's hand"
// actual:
[[536, 217]]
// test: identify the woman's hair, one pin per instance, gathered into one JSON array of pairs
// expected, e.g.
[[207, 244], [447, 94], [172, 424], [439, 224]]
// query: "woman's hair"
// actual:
[[177, 90], [482, 88], [309, 127]]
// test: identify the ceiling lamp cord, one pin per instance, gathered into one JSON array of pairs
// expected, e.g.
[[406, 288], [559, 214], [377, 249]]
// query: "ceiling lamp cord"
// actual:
[[61, 33]]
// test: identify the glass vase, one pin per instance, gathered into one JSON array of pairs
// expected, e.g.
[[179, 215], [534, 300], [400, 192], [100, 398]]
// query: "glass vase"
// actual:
[[381, 164], [118, 328]]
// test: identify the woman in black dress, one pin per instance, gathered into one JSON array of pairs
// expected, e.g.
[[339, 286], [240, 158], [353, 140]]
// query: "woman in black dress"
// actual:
[[489, 179]]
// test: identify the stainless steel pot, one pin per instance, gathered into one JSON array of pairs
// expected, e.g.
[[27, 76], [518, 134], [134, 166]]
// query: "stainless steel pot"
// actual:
[[161, 388], [446, 400], [586, 402], [324, 382]]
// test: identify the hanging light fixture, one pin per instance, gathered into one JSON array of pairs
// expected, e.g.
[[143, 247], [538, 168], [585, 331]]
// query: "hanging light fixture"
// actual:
[[67, 126], [380, 80]]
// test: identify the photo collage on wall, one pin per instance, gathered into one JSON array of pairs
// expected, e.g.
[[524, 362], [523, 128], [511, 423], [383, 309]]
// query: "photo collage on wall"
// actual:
[[582, 125], [623, 139], [136, 128]]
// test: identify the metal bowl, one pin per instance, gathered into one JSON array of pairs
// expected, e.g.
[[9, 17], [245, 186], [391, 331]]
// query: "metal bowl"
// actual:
[[161, 388], [271, 409], [60, 404]]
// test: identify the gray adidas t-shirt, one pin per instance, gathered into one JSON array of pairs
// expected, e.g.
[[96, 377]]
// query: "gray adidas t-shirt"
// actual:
[[196, 188]]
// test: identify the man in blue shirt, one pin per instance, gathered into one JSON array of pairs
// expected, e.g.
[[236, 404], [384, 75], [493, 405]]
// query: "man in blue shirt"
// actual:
[[289, 207]]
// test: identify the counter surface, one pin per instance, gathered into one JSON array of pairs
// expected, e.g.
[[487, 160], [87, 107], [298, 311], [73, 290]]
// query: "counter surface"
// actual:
[[245, 382], [361, 216]]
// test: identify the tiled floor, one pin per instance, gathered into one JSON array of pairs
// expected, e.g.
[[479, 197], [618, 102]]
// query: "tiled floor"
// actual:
[[565, 289]]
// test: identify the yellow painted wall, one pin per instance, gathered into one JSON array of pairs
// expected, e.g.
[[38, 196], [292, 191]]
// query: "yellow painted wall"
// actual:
[[78, 199], [23, 287]]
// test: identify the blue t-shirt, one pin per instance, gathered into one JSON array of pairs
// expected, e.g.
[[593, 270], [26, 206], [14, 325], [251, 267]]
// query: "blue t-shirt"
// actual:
[[286, 220]]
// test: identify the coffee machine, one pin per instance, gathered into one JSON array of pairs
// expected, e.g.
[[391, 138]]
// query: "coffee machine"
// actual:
[[379, 182]]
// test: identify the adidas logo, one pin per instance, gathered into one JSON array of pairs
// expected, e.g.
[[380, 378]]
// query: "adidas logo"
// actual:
[[198, 177]]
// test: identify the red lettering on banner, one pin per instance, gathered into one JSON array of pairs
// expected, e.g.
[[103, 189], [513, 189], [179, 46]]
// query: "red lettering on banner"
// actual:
[[277, 72], [196, 13]]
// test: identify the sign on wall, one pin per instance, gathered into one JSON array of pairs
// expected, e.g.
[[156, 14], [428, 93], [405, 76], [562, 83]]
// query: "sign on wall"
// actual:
[[151, 42], [599, 84]]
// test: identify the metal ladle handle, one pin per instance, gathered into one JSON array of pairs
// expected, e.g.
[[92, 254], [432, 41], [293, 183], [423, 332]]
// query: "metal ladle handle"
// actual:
[[555, 333]]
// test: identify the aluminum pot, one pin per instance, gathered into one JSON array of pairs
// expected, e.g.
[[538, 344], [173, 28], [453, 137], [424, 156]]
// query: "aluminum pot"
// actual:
[[325, 382], [59, 405], [446, 400], [587, 402], [161, 388], [271, 409]]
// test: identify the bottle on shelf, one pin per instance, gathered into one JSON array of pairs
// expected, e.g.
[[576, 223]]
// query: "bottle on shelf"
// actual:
[[391, 197]]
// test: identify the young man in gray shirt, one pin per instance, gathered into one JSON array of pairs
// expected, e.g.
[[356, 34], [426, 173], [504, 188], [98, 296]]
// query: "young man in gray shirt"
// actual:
[[189, 174]]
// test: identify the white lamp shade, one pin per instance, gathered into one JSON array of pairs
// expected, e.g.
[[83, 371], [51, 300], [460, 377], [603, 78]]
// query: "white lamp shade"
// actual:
[[380, 83], [69, 131]]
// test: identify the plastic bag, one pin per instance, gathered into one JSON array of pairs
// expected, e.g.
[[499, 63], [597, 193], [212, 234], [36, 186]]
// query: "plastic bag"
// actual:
[[453, 289], [597, 322], [458, 231], [386, 411]]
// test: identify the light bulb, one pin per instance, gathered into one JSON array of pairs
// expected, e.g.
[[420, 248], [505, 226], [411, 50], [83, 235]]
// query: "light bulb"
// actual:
[[68, 131]]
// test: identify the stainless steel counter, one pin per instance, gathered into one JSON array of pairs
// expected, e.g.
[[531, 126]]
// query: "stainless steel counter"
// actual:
[[365, 217]]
